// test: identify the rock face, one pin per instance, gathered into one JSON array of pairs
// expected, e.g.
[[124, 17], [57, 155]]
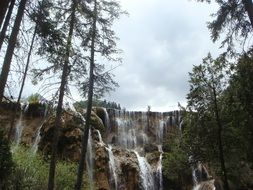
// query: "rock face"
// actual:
[[69, 137], [126, 149]]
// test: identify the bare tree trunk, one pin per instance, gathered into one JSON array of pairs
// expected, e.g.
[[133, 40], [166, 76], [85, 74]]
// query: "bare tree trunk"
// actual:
[[79, 180], [3, 9], [64, 80], [220, 144], [6, 23], [22, 85], [10, 48], [248, 5]]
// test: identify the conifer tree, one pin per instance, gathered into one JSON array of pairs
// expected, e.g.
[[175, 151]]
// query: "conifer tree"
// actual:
[[10, 49]]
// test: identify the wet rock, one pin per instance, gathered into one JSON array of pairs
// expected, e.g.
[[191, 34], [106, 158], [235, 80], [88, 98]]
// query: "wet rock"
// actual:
[[69, 145], [36, 110], [101, 168], [150, 147]]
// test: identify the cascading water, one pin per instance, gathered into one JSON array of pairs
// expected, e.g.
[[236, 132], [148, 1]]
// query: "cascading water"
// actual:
[[19, 129], [89, 160], [145, 173], [159, 174], [19, 124], [133, 136], [101, 142], [106, 119], [37, 139], [113, 167], [134, 139]]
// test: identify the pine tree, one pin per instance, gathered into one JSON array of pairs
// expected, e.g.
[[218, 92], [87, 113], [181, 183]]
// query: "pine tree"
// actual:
[[10, 48], [207, 83]]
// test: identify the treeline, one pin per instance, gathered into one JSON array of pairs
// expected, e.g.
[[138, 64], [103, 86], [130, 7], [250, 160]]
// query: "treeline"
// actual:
[[59, 44], [218, 118], [97, 103]]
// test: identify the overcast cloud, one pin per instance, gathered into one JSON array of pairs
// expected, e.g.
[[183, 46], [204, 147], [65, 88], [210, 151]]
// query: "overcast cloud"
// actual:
[[161, 40]]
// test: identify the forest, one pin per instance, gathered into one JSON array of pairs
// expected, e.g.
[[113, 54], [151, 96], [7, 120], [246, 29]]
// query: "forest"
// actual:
[[49, 140]]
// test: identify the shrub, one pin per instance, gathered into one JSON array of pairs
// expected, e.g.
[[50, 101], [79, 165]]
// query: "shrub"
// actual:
[[6, 163], [31, 172]]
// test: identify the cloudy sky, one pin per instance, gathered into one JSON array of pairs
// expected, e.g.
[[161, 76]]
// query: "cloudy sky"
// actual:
[[161, 40]]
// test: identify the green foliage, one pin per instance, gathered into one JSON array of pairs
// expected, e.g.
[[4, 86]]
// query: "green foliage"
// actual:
[[31, 172], [175, 163], [34, 98], [234, 108], [97, 103], [6, 163], [232, 19]]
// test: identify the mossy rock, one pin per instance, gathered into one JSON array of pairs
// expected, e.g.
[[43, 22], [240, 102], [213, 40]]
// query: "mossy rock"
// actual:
[[101, 113], [97, 122], [36, 109]]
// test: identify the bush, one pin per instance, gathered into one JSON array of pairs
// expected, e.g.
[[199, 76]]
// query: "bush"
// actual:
[[6, 163], [31, 172]]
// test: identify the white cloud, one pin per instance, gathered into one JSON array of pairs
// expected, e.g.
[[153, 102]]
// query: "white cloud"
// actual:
[[161, 40]]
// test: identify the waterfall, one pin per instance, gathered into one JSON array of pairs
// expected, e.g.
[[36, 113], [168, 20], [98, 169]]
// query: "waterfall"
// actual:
[[89, 160], [106, 119], [159, 140], [101, 142], [37, 139], [159, 174], [145, 173], [19, 129], [126, 133], [112, 166], [19, 124]]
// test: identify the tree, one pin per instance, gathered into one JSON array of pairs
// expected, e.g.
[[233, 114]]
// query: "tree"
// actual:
[[6, 22], [89, 105], [64, 80], [235, 18], [23, 83], [102, 41], [3, 9], [241, 85], [207, 82], [10, 49]]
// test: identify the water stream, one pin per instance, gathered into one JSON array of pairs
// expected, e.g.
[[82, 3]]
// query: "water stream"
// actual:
[[145, 173], [113, 167], [89, 160], [19, 129]]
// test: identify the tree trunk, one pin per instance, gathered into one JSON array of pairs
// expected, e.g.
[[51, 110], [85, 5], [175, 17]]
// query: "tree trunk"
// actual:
[[10, 48], [220, 144], [22, 85], [6, 23], [248, 5], [3, 9], [64, 80], [89, 104]]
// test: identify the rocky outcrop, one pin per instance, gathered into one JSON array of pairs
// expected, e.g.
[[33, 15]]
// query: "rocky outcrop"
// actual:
[[69, 137], [128, 169]]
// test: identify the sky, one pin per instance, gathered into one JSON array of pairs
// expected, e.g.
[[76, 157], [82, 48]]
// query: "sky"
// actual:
[[161, 41]]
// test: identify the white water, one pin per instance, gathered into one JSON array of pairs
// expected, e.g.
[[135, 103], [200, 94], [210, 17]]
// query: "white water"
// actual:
[[89, 160], [107, 120], [101, 142], [113, 167], [37, 139], [19, 129], [145, 173], [126, 134], [159, 173]]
